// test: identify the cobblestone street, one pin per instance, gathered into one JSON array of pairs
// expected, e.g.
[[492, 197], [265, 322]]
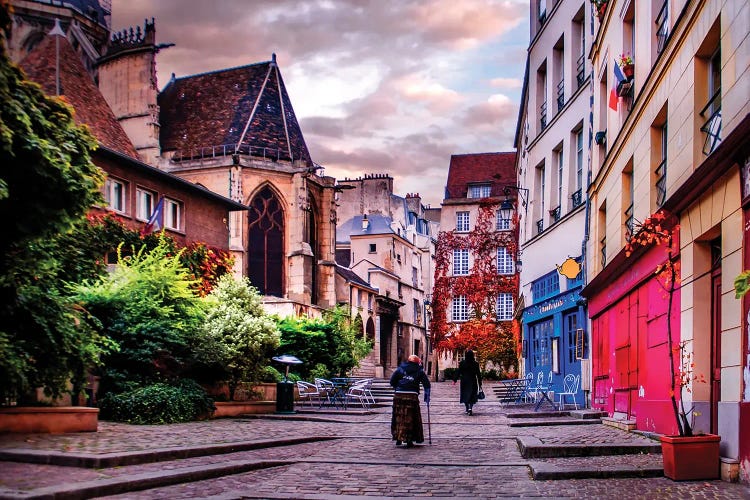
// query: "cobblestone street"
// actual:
[[470, 457]]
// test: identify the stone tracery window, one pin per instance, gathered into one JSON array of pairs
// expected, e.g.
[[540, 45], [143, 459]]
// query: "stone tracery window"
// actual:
[[266, 243]]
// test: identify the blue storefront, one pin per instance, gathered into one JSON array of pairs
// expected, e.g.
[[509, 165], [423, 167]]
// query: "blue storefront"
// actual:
[[554, 333]]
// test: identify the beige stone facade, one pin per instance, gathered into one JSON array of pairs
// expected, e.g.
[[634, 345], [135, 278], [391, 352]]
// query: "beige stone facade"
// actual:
[[676, 142]]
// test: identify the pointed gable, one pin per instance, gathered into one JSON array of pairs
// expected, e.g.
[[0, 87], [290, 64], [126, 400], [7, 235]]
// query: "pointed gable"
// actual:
[[247, 108], [496, 169], [78, 90]]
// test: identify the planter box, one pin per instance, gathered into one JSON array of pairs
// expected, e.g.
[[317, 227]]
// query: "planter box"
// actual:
[[236, 408], [54, 420], [691, 458]]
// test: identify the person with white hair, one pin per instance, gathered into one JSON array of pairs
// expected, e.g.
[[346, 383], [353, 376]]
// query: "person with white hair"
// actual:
[[406, 420]]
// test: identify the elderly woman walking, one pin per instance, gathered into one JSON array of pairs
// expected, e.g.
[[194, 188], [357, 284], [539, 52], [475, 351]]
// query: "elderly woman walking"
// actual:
[[471, 380], [406, 420]]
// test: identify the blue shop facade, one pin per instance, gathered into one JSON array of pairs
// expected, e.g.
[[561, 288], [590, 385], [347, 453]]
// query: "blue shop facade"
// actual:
[[554, 333]]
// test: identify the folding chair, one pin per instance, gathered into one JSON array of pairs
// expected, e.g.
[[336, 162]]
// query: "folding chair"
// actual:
[[308, 391]]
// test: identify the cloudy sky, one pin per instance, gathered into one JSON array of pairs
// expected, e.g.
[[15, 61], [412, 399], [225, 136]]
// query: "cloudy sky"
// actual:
[[392, 86]]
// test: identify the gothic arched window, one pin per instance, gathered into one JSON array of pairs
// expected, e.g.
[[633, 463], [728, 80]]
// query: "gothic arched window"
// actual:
[[266, 243]]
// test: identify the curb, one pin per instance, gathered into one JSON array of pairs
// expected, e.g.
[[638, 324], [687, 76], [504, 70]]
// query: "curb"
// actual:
[[144, 481], [107, 460], [533, 448], [542, 472], [545, 423]]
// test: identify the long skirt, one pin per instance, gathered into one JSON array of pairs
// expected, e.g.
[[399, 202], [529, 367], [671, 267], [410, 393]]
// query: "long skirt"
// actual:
[[406, 420]]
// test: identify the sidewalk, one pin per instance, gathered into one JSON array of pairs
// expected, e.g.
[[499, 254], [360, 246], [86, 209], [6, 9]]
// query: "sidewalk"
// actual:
[[322, 455]]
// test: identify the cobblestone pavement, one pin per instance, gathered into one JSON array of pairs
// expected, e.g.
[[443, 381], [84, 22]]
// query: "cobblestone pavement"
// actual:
[[470, 457]]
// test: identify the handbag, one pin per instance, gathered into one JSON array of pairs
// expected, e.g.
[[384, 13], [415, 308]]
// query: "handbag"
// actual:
[[480, 394]]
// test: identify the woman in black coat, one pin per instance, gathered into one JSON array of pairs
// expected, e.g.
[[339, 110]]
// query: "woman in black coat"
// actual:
[[471, 380]]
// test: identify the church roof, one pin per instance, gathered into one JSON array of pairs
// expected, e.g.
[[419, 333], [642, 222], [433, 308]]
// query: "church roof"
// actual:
[[497, 169], [78, 90], [245, 109]]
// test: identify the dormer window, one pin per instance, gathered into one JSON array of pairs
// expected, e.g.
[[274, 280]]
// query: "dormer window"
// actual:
[[479, 191]]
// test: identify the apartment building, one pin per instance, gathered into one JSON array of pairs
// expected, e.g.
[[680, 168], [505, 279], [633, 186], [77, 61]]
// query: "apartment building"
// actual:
[[552, 140], [671, 137], [476, 274]]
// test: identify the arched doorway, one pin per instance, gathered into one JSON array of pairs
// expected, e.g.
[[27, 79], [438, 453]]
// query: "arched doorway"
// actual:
[[266, 243], [370, 330]]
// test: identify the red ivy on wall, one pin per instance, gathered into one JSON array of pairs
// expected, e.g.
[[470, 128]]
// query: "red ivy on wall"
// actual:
[[491, 338]]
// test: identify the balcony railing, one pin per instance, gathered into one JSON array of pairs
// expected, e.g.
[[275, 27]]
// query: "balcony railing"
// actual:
[[540, 226], [712, 126], [629, 221], [581, 70], [560, 95], [554, 214], [543, 115], [577, 198], [661, 183], [603, 251], [542, 17], [662, 31]]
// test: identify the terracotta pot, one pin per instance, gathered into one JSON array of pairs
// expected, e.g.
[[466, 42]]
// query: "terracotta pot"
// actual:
[[628, 70], [691, 458]]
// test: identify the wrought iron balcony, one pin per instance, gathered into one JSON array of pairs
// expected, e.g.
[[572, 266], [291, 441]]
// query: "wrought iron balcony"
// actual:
[[540, 226], [560, 95], [577, 198], [543, 115], [662, 32], [712, 126], [581, 70], [629, 221], [603, 251], [661, 183], [554, 214]]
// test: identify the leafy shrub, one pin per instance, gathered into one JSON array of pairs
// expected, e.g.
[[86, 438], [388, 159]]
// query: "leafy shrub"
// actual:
[[269, 374], [158, 404], [451, 373], [319, 371], [491, 374]]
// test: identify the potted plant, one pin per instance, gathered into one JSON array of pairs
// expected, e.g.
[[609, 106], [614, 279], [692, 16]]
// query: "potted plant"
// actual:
[[687, 456], [601, 7], [627, 65]]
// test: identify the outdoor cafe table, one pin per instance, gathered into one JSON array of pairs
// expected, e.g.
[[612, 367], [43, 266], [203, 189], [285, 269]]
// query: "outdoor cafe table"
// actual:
[[543, 390], [515, 389], [340, 387]]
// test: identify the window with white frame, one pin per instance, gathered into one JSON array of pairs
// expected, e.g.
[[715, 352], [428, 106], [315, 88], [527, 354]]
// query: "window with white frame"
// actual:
[[479, 191], [502, 224], [462, 222], [145, 203], [459, 309], [172, 214], [460, 262], [115, 194], [504, 261], [504, 307]]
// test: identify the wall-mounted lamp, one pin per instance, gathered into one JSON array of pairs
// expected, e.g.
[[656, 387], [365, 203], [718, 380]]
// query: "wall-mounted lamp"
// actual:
[[522, 193], [600, 137]]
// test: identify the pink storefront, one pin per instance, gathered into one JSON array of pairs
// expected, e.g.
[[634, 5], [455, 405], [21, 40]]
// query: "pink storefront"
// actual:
[[629, 354]]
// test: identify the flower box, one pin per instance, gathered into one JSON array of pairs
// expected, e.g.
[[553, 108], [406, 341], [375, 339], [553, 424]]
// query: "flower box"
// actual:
[[691, 457]]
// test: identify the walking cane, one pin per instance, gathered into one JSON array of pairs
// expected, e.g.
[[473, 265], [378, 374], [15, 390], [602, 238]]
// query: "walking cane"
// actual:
[[429, 424]]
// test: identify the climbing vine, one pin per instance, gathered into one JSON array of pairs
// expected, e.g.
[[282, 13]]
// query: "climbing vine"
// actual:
[[494, 340]]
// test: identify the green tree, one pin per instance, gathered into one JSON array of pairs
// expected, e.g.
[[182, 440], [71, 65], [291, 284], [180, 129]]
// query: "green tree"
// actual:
[[335, 342], [148, 307], [47, 184], [242, 337]]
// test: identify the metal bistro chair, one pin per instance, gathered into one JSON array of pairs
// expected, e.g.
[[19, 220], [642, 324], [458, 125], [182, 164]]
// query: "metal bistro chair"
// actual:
[[307, 392], [358, 391], [527, 389], [327, 389], [570, 388], [535, 390]]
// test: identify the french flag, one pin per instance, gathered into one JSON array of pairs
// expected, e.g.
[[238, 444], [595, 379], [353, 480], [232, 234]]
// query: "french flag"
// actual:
[[155, 222], [619, 77]]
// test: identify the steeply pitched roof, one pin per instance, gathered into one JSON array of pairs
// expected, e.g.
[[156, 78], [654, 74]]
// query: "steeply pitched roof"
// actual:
[[78, 89], [497, 169], [246, 108], [378, 224], [352, 277]]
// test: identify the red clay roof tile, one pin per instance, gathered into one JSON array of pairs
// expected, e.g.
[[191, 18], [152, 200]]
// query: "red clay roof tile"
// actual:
[[497, 169]]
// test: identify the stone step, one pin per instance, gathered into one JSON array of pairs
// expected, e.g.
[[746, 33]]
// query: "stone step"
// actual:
[[543, 422], [598, 467], [531, 447]]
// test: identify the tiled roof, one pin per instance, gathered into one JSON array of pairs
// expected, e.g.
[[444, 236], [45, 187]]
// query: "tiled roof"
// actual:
[[498, 169], [213, 109], [78, 89], [378, 224], [352, 277]]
